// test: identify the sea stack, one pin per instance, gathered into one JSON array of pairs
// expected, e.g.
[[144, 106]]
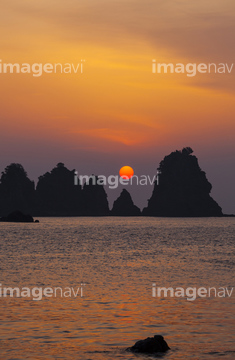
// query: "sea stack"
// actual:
[[181, 189], [94, 198], [124, 205]]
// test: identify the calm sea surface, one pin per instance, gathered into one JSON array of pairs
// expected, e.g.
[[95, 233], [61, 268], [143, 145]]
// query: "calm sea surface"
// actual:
[[118, 259]]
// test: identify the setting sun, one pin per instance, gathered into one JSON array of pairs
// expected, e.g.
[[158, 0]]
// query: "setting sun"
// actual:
[[126, 172]]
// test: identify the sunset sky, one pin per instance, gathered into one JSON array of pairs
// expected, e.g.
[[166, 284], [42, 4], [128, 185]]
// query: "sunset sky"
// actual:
[[118, 112]]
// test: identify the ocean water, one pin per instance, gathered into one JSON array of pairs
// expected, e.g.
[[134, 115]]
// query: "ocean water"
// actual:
[[118, 259]]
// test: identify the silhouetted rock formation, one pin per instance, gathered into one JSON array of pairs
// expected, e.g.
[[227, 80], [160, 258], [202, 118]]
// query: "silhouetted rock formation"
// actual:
[[17, 216], [57, 195], [94, 197], [16, 190], [150, 345], [124, 205], [183, 189]]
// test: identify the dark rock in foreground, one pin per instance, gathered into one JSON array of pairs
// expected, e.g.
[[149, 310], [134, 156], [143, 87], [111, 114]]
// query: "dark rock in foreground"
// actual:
[[150, 345], [124, 205], [17, 216], [182, 189]]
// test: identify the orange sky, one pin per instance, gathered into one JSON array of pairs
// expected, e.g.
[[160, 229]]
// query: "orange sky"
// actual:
[[117, 109]]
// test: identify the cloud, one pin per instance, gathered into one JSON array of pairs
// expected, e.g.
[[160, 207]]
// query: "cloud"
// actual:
[[202, 29]]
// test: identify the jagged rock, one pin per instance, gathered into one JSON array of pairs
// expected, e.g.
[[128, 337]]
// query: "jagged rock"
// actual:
[[17, 191], [17, 216], [124, 205], [94, 198], [150, 345], [183, 189], [57, 195]]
